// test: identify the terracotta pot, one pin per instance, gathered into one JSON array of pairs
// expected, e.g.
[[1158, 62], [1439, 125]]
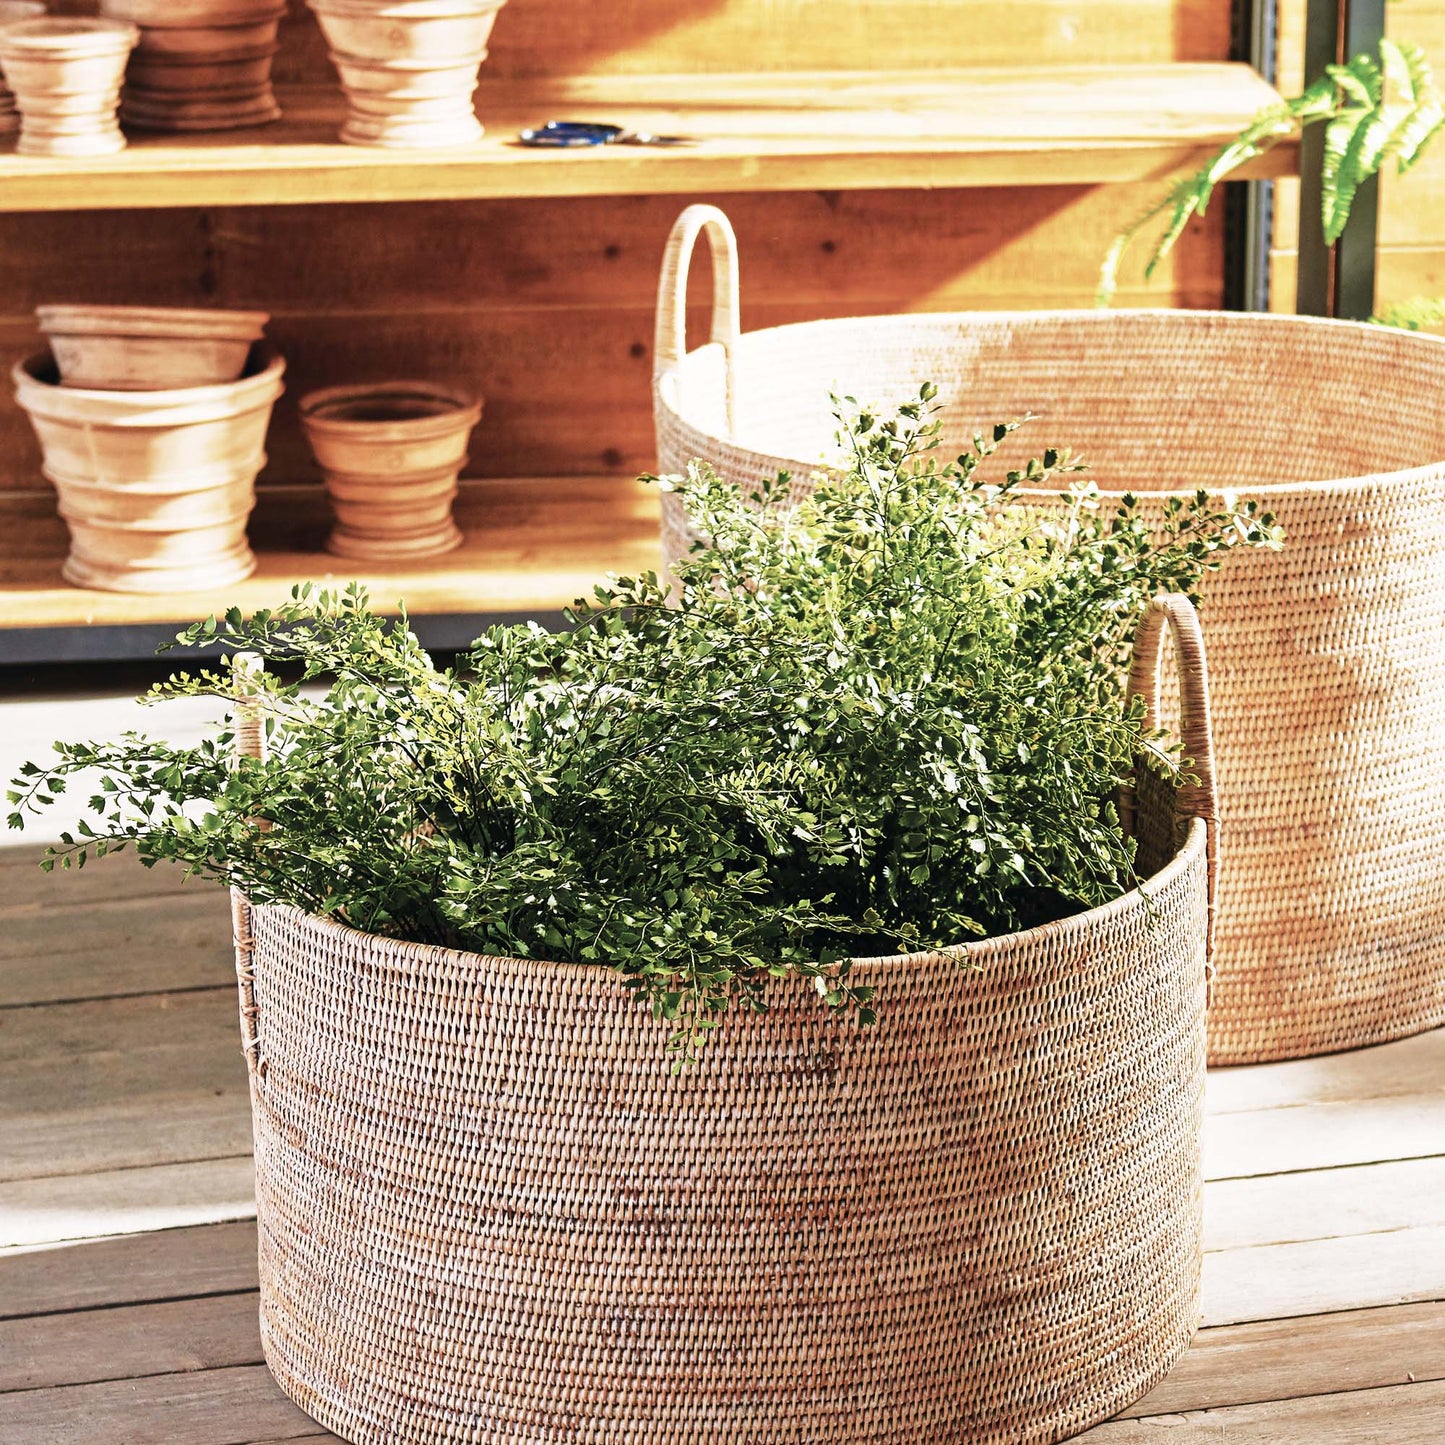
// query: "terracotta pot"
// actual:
[[155, 486], [392, 453], [408, 67], [200, 64], [148, 348], [66, 75], [11, 11]]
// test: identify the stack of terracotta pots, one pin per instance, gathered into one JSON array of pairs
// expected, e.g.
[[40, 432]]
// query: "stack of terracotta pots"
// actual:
[[200, 64], [65, 74], [153, 426], [408, 67]]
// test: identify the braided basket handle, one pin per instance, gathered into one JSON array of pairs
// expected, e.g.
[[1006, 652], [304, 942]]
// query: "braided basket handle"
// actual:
[[670, 340], [1198, 798], [249, 723]]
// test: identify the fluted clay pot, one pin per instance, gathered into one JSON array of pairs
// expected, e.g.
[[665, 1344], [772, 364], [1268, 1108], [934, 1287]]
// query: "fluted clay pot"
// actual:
[[66, 74], [11, 11], [148, 348], [200, 64], [408, 67], [155, 486], [392, 453]]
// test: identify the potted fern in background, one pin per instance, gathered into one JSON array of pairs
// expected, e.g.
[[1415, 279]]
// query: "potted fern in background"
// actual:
[[1375, 112], [501, 1201]]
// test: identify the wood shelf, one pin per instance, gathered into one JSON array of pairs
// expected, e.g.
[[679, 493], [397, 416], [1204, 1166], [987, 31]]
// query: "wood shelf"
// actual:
[[835, 130], [533, 546]]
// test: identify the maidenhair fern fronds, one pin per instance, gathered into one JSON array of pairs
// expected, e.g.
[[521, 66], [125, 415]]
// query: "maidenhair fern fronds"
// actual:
[[1373, 112]]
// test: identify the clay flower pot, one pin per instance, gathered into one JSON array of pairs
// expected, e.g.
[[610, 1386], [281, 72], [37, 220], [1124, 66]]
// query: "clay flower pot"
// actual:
[[392, 454], [11, 11], [200, 64], [155, 486], [148, 348], [408, 67], [66, 75]]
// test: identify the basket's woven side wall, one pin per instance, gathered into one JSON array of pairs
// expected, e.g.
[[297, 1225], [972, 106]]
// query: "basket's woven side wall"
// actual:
[[1327, 660], [489, 1212]]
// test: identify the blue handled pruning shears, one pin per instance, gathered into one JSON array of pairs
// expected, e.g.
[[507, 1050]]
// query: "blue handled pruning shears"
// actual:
[[565, 134]]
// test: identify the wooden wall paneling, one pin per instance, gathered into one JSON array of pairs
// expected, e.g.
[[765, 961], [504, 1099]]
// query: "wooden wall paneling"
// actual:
[[537, 38], [1412, 207], [546, 307], [639, 37]]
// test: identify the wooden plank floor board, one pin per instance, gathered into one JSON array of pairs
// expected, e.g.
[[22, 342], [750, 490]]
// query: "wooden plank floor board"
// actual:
[[104, 949], [211, 1407], [163, 1265], [107, 1030], [1324, 1136], [1319, 1276], [25, 890], [125, 1201], [1324, 1203], [88, 1346], [1286, 1359], [1405, 1067], [1394, 1415]]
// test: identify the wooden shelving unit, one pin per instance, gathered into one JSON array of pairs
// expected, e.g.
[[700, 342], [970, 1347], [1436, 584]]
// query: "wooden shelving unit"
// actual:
[[850, 130], [534, 545]]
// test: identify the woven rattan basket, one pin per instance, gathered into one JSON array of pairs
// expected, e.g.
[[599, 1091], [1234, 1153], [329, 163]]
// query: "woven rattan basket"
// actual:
[[490, 1212], [1328, 658]]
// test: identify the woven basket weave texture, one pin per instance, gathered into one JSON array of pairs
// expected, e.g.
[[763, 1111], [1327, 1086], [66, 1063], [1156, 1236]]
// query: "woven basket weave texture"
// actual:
[[490, 1212], [1327, 659]]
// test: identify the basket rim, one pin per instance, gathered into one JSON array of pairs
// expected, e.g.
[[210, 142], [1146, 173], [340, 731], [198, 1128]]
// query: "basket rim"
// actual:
[[1242, 320], [406, 955]]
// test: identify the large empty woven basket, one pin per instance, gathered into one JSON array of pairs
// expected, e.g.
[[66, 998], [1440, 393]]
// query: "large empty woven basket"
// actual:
[[1328, 659], [489, 1212]]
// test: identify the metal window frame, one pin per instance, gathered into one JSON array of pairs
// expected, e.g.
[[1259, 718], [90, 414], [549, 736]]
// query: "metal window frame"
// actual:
[[1249, 205]]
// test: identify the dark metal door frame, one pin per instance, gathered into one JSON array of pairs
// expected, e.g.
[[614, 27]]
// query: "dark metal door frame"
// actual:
[[1338, 280], [1334, 280]]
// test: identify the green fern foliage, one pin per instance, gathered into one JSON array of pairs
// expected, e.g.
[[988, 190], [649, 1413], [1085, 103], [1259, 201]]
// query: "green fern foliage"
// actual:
[[1418, 313], [1374, 111]]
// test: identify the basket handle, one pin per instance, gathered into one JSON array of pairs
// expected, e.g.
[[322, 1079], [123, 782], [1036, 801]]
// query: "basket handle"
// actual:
[[1200, 798], [250, 728], [670, 340]]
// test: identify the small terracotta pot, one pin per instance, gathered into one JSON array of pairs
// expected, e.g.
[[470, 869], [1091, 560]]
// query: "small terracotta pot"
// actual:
[[148, 348], [392, 453], [408, 67], [155, 486], [200, 64], [11, 11], [66, 75]]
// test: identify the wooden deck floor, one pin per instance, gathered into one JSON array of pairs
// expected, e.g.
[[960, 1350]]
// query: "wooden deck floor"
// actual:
[[127, 1251]]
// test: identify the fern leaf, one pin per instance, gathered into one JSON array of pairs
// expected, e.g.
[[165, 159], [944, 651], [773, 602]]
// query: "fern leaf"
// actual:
[[1317, 103], [1417, 314], [1418, 64], [1339, 139], [1356, 91], [1364, 69], [1426, 116], [1420, 127], [1397, 88]]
